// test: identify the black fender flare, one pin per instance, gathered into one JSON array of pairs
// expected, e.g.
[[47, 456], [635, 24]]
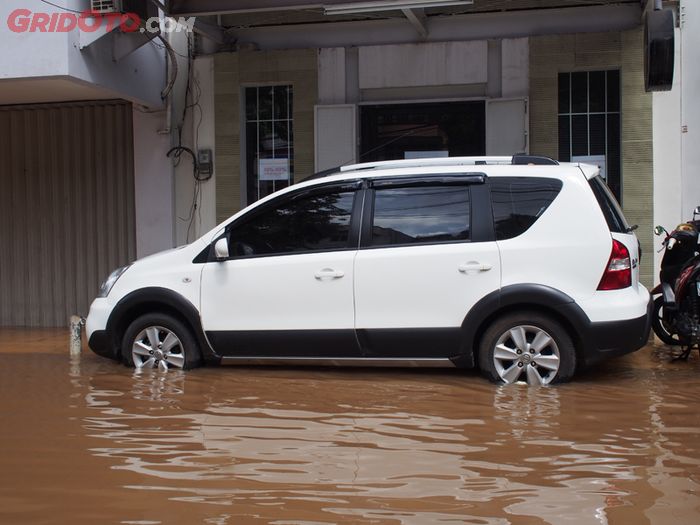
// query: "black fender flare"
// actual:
[[517, 296], [148, 299]]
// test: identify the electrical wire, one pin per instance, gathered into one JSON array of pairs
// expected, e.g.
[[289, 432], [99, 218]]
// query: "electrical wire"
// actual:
[[193, 93], [61, 7], [175, 67]]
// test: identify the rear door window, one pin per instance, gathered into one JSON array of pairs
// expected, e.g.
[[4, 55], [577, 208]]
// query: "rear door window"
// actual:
[[420, 215], [519, 201], [609, 206]]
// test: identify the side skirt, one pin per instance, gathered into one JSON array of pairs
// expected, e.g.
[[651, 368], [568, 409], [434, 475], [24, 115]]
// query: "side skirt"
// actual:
[[340, 361]]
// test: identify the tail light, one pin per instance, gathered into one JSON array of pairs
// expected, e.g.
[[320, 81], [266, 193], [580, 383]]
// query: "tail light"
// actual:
[[618, 273]]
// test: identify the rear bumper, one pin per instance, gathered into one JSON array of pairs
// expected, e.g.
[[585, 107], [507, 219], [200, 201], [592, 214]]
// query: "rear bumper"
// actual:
[[615, 338]]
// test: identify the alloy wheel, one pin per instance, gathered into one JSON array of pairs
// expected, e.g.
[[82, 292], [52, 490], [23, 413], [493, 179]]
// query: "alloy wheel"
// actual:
[[527, 352], [157, 347]]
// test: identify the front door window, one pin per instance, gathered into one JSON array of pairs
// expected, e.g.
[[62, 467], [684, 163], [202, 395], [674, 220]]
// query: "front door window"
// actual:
[[318, 222]]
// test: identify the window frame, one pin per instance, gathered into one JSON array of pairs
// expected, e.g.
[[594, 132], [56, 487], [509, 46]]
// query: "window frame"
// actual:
[[480, 225], [339, 187], [245, 175], [607, 113]]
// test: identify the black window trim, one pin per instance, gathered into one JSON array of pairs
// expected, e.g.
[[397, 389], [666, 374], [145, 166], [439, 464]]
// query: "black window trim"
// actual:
[[355, 185], [478, 193], [609, 206], [427, 180]]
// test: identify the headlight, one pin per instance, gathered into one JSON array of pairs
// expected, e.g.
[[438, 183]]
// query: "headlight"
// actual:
[[110, 281]]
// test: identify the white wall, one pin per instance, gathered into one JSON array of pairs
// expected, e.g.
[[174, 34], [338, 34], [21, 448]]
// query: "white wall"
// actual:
[[666, 109], [140, 77], [31, 54], [690, 105], [677, 152], [153, 184]]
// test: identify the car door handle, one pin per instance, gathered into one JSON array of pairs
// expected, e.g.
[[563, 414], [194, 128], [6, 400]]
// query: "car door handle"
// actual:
[[329, 273], [474, 266]]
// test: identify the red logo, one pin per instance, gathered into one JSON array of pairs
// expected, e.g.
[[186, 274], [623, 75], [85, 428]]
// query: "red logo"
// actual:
[[26, 21]]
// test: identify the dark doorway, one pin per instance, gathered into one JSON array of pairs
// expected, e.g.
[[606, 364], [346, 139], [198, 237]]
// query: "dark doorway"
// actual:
[[399, 131]]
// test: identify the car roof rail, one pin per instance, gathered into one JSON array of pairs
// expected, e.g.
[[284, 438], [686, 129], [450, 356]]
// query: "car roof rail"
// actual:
[[428, 162], [521, 159]]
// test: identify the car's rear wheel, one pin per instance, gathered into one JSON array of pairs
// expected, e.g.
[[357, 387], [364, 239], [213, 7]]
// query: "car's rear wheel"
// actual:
[[160, 341], [527, 347]]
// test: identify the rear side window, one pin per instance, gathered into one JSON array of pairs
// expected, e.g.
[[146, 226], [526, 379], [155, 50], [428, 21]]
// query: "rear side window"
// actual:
[[609, 206], [420, 214], [518, 202]]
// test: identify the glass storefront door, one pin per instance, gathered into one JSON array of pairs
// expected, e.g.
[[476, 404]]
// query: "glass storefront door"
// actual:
[[435, 129]]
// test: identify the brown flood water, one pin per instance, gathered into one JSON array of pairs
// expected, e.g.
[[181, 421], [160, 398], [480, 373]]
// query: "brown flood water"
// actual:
[[88, 441]]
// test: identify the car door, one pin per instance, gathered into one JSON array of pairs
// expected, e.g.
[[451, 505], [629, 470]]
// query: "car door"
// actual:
[[426, 258], [287, 288]]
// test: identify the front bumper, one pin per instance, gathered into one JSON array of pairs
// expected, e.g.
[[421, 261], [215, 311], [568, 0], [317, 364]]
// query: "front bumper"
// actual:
[[615, 338], [102, 344]]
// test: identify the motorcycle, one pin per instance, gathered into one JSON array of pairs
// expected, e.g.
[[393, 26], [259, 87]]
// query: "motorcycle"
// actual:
[[676, 315]]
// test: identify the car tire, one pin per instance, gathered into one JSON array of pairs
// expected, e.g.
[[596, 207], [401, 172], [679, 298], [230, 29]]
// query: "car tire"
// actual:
[[161, 341], [527, 347], [659, 327]]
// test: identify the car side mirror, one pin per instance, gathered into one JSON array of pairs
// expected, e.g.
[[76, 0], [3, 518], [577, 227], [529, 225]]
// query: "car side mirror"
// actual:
[[221, 249]]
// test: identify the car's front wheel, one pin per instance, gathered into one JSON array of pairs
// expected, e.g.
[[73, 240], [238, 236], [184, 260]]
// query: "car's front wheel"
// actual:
[[160, 341], [527, 347]]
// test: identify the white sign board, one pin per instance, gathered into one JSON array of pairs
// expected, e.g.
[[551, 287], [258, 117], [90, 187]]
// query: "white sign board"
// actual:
[[273, 169], [425, 154], [595, 160]]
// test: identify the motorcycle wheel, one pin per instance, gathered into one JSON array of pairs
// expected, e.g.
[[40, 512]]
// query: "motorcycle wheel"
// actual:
[[661, 329]]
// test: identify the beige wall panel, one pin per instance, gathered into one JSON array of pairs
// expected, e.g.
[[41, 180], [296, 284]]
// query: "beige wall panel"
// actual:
[[234, 71]]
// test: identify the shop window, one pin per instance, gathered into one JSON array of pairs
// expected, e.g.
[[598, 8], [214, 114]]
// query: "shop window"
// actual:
[[589, 122], [269, 140]]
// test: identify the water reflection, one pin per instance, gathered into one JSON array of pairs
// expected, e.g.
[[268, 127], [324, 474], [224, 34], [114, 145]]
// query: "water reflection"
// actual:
[[230, 446], [417, 449]]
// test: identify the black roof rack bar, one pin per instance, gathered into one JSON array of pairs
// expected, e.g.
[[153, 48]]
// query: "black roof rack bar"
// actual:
[[521, 159]]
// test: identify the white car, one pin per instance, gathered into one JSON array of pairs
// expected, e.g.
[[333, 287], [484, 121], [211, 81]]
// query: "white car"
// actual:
[[521, 266]]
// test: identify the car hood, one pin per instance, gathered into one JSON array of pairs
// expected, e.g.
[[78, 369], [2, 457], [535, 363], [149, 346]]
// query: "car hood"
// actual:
[[159, 255]]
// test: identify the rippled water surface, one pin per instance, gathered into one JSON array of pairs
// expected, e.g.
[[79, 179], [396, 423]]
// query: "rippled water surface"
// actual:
[[86, 440]]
